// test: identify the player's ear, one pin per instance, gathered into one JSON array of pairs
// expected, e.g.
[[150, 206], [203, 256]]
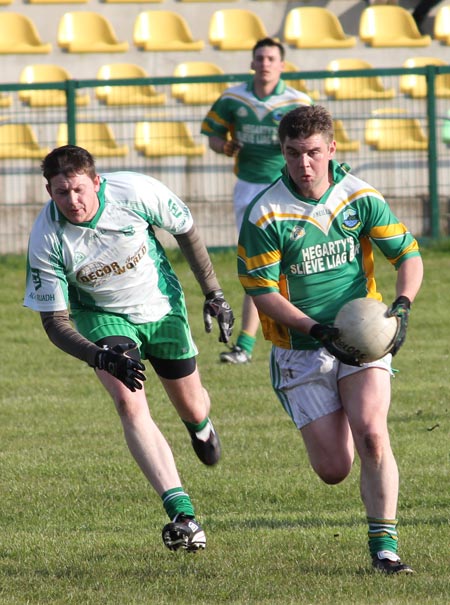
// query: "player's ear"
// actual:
[[332, 149], [49, 189], [96, 181]]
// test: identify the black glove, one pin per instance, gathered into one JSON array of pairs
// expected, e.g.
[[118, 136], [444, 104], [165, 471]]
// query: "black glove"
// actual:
[[216, 306], [118, 364], [328, 335], [400, 308]]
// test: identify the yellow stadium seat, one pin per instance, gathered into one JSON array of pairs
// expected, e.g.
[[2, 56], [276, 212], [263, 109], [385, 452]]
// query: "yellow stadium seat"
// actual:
[[19, 35], [235, 29], [57, 1], [395, 134], [315, 27], [441, 30], [5, 2], [415, 85], [361, 87], [384, 25], [343, 141], [140, 94], [5, 100], [19, 141], [88, 32], [201, 93], [163, 31], [97, 137], [300, 84], [133, 1], [159, 139], [47, 98]]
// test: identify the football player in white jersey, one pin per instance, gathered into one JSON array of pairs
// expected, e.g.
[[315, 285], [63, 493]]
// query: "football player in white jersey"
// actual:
[[93, 253], [243, 124]]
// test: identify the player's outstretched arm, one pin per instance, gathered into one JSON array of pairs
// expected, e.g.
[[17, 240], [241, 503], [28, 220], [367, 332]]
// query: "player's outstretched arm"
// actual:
[[114, 361]]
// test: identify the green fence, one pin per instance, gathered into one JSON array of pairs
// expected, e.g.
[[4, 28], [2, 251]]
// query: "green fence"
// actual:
[[392, 128]]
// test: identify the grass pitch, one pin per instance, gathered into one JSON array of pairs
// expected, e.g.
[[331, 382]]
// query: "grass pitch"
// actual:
[[78, 523]]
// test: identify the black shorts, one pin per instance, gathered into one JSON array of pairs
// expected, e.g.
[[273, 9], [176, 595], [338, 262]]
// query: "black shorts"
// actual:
[[166, 368]]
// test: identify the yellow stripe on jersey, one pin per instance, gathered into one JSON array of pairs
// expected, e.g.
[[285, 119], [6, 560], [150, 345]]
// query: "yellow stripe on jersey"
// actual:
[[369, 268], [276, 333], [257, 282], [267, 219], [340, 204], [260, 260], [388, 231], [212, 115], [413, 247]]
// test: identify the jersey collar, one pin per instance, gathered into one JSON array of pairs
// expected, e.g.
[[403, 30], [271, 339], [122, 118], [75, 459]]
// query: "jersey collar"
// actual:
[[338, 172], [278, 90]]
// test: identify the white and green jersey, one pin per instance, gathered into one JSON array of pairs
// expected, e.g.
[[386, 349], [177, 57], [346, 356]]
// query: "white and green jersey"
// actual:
[[317, 254], [254, 123], [113, 263]]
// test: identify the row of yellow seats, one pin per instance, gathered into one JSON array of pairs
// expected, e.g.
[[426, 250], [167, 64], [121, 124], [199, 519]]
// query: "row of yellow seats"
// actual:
[[152, 139], [120, 95], [229, 29], [7, 2], [161, 139], [338, 88]]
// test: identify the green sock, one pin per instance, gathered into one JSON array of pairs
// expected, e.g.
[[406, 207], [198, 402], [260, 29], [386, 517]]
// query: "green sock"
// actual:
[[196, 428], [382, 535], [246, 342], [176, 501]]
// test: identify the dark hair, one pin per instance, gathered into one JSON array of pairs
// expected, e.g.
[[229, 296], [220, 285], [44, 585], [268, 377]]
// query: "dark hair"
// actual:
[[305, 121], [268, 42], [68, 160]]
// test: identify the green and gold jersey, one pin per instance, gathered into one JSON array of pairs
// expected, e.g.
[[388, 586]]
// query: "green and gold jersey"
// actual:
[[254, 123], [317, 254], [114, 263]]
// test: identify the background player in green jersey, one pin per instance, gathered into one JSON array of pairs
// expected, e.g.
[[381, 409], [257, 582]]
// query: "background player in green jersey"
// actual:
[[93, 250], [305, 248], [243, 124]]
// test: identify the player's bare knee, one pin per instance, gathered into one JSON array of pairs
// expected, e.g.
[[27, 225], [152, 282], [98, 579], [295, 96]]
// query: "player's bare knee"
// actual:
[[373, 447], [333, 472], [127, 409]]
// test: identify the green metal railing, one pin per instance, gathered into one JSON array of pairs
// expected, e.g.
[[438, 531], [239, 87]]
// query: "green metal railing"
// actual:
[[415, 181]]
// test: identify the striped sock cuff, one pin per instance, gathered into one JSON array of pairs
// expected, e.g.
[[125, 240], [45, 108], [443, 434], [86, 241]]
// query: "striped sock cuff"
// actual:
[[382, 535], [176, 501]]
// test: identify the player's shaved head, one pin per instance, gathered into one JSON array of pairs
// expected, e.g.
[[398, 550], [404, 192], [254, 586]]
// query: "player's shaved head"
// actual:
[[68, 160]]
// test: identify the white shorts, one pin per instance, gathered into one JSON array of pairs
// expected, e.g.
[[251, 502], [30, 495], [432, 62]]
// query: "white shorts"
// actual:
[[243, 194], [306, 381]]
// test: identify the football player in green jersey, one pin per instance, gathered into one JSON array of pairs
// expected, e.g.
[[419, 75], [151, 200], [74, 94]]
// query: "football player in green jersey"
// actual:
[[93, 252], [305, 249], [243, 124]]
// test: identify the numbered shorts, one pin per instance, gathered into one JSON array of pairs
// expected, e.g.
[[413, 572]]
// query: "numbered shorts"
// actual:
[[168, 338], [306, 382]]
